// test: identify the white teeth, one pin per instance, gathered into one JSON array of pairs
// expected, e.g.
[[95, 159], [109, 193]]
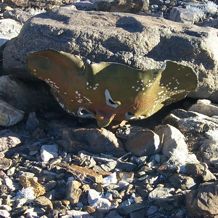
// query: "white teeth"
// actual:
[[109, 101]]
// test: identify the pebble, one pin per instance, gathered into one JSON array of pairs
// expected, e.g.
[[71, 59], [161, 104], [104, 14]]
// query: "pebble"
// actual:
[[48, 152], [161, 193], [152, 210], [144, 142], [112, 179], [4, 214], [93, 196], [73, 190], [5, 163]]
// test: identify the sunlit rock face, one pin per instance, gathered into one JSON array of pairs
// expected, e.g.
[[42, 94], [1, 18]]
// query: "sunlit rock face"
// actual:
[[110, 91]]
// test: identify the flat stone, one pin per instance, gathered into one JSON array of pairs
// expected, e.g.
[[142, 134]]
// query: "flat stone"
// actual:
[[186, 15], [205, 107], [73, 191], [199, 171], [91, 140], [4, 214], [8, 29], [5, 163], [8, 140], [203, 201], [174, 145], [9, 115], [144, 142], [161, 193], [48, 152]]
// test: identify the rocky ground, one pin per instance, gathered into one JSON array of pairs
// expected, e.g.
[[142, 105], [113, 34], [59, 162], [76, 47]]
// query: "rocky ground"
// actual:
[[56, 165]]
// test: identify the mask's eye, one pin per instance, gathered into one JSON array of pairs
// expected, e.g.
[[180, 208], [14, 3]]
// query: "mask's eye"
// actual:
[[109, 101], [84, 113], [130, 116]]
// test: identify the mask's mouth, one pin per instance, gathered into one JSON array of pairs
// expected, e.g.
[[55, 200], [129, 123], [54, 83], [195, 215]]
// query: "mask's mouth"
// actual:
[[104, 119]]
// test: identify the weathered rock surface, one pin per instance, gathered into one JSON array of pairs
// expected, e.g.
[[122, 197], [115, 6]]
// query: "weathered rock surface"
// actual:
[[26, 96], [91, 140], [139, 41], [48, 4], [205, 107], [194, 125], [203, 202], [8, 29], [174, 146], [144, 142]]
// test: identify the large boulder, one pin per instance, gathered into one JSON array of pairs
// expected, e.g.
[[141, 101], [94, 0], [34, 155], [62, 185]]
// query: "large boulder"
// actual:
[[139, 41]]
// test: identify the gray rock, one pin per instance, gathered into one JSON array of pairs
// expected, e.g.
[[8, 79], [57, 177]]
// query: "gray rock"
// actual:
[[199, 171], [144, 142], [203, 202], [101, 36], [32, 122], [174, 146], [93, 196], [92, 140], [173, 141], [9, 115], [73, 191], [48, 152], [95, 200], [195, 126], [4, 214], [23, 95], [209, 148], [161, 193], [211, 23], [186, 15], [8, 140], [131, 6], [181, 181], [20, 15], [205, 107], [8, 29]]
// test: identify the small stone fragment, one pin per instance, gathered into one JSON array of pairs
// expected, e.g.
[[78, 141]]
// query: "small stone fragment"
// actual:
[[199, 171], [44, 202], [111, 179], [160, 193], [144, 142], [4, 214], [32, 122], [83, 171], [73, 191], [48, 152], [205, 107], [91, 140], [77, 214], [8, 29], [8, 141], [93, 196], [5, 163], [27, 182], [203, 202]]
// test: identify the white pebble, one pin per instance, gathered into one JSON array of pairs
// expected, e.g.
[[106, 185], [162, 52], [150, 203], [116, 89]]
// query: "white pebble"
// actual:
[[48, 152]]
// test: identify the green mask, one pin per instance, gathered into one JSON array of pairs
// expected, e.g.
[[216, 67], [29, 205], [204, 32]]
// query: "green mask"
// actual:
[[106, 90]]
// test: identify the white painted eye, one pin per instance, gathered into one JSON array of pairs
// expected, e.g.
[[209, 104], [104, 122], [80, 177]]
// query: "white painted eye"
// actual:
[[131, 116], [109, 101], [84, 113]]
